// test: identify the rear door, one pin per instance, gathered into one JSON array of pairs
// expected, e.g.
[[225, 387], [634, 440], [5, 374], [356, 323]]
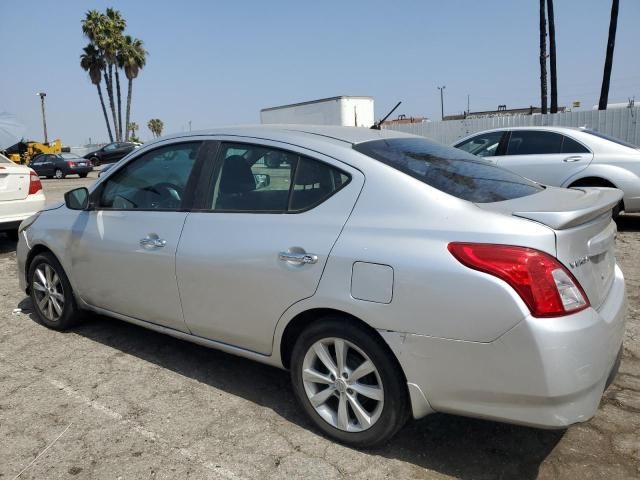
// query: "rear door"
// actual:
[[546, 157], [261, 238], [14, 180]]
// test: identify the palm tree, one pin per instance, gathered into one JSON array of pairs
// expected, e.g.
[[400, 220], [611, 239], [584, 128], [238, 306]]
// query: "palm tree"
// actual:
[[132, 127], [91, 61], [543, 58], [155, 125], [608, 63], [132, 58], [115, 26], [552, 57]]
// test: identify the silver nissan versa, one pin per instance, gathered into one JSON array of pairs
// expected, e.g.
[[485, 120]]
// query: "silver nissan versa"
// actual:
[[393, 276]]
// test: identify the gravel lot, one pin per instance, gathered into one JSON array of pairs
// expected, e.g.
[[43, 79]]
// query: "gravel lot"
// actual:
[[112, 400]]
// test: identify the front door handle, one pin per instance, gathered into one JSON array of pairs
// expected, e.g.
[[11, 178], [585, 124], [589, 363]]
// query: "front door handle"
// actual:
[[296, 257], [152, 241], [574, 158]]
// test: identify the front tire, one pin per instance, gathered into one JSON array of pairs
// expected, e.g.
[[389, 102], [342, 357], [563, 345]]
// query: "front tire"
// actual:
[[59, 174], [349, 383], [51, 293], [83, 175]]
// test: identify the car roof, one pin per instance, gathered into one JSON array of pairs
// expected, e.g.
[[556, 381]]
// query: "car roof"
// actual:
[[330, 133]]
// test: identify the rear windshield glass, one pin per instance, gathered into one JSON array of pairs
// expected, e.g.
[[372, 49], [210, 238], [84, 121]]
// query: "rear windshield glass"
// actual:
[[450, 170], [610, 138]]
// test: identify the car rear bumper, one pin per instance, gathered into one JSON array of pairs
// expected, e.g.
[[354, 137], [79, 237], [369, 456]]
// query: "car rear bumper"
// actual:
[[79, 170], [544, 372], [13, 212]]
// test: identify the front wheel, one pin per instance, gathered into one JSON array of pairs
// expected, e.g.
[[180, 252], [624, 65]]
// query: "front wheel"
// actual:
[[59, 174], [349, 383], [83, 175], [51, 293]]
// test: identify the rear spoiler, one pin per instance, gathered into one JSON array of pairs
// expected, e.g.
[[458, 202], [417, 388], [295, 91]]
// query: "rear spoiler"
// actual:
[[595, 202]]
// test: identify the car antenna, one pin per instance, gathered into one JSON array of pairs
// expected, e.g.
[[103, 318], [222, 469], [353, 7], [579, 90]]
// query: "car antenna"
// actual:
[[376, 126]]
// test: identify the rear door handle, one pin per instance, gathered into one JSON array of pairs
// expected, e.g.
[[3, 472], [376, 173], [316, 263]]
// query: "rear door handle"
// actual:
[[300, 258], [152, 241], [574, 158]]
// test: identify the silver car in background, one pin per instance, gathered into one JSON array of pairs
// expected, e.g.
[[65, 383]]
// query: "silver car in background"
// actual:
[[393, 276], [563, 157]]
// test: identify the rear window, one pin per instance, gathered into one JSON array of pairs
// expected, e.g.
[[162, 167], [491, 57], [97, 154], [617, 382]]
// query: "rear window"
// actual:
[[449, 170], [609, 137]]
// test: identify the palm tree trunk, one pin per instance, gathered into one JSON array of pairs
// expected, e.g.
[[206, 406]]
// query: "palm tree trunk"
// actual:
[[129, 91], [608, 63], [552, 57], [119, 103], [112, 105], [104, 110], [543, 58]]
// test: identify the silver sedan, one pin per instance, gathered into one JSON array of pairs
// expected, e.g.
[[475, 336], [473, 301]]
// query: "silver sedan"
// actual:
[[563, 157], [394, 277]]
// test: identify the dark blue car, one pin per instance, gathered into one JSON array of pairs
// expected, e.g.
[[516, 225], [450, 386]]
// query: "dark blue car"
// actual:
[[59, 165]]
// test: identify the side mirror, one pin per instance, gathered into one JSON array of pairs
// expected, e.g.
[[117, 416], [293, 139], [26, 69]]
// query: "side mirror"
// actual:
[[263, 180], [77, 199]]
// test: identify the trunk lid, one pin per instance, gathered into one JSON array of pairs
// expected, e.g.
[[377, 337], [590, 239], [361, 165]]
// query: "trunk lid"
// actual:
[[585, 232], [14, 182]]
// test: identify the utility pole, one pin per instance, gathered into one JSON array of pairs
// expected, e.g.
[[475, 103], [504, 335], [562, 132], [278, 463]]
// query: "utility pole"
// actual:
[[468, 101], [189, 125], [44, 118], [442, 101]]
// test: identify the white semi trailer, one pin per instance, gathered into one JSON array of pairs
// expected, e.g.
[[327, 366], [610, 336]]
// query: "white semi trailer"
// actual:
[[342, 110]]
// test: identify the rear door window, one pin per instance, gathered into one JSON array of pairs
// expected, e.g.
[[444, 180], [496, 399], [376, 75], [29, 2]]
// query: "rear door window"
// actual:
[[531, 142], [450, 170], [569, 145]]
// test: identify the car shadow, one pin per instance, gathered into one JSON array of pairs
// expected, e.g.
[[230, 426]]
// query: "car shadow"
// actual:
[[628, 223], [460, 447], [7, 245]]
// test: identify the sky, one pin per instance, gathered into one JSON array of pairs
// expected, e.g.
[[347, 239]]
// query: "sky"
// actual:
[[218, 63]]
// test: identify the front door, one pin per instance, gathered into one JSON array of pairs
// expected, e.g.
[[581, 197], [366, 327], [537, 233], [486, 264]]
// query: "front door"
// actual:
[[546, 157], [261, 240], [124, 252]]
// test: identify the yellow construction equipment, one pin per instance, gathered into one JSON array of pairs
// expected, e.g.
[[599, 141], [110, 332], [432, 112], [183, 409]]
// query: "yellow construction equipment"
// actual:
[[23, 152]]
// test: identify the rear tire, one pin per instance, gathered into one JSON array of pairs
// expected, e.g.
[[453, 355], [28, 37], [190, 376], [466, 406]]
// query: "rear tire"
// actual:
[[360, 410], [51, 293]]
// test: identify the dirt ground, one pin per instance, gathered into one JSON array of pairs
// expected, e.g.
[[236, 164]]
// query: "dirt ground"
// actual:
[[112, 400]]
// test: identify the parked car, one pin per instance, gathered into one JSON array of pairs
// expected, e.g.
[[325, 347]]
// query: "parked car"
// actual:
[[393, 276], [21, 195], [563, 157], [59, 165], [111, 152]]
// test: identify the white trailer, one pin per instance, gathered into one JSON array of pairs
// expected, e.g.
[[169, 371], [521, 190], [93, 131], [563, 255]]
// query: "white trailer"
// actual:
[[342, 110]]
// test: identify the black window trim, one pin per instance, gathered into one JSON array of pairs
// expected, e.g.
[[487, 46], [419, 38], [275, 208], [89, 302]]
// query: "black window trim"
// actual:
[[206, 186], [189, 191]]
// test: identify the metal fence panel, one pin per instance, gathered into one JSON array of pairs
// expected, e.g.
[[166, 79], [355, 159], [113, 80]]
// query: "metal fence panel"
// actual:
[[620, 122]]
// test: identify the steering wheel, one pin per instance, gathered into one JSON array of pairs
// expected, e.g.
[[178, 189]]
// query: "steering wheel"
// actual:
[[170, 194]]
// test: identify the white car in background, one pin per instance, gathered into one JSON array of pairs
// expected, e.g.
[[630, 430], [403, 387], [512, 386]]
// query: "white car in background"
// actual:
[[563, 157], [21, 195]]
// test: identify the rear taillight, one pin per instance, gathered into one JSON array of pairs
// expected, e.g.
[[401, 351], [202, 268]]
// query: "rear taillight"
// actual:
[[71, 164], [543, 283], [34, 183]]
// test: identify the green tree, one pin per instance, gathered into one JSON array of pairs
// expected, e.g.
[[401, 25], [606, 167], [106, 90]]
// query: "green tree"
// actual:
[[132, 57], [156, 126], [91, 62]]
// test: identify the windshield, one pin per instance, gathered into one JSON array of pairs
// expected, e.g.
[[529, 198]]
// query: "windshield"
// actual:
[[449, 170], [610, 138]]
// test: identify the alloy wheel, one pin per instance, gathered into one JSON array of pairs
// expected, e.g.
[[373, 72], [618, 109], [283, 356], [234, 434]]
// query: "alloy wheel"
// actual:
[[342, 384], [58, 173], [49, 293]]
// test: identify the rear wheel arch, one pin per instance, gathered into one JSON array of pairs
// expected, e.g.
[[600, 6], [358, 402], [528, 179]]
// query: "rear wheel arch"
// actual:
[[304, 319]]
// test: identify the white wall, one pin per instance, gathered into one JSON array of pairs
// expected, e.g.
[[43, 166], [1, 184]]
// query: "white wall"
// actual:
[[620, 122]]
